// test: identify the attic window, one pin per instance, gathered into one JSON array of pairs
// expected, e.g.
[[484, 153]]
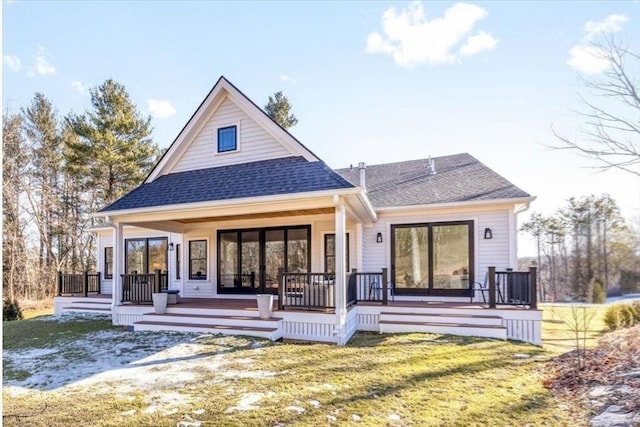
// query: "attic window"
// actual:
[[227, 139]]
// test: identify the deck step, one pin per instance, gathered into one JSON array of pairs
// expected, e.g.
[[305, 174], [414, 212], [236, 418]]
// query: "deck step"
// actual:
[[213, 319], [80, 308], [272, 334], [463, 329], [452, 318]]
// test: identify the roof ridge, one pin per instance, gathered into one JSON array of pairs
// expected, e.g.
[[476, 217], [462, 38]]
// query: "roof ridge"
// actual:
[[411, 160]]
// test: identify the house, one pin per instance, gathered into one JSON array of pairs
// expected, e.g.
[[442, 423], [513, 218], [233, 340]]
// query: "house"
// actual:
[[237, 206]]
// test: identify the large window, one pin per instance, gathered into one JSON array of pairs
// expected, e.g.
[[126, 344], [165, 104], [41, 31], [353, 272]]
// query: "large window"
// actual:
[[433, 258], [227, 139], [144, 256], [108, 262], [330, 253], [249, 260], [198, 260]]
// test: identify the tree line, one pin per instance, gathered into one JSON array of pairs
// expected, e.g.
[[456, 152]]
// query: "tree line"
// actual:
[[58, 170], [585, 250]]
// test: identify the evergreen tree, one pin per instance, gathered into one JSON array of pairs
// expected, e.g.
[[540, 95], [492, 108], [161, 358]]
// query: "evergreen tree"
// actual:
[[114, 146], [278, 108]]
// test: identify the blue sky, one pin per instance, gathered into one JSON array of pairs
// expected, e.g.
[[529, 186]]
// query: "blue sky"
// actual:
[[369, 81]]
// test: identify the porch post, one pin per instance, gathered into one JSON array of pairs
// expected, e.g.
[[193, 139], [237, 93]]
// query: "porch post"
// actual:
[[340, 281], [118, 266]]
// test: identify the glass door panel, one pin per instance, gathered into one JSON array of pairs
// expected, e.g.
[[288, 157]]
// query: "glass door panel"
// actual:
[[274, 258], [451, 256], [411, 260], [250, 259], [228, 258], [136, 256], [297, 250], [157, 255]]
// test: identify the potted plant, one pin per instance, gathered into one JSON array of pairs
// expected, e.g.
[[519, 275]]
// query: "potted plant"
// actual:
[[159, 302], [265, 302]]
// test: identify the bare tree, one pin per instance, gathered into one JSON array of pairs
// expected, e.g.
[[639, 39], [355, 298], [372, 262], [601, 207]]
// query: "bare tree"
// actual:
[[612, 111]]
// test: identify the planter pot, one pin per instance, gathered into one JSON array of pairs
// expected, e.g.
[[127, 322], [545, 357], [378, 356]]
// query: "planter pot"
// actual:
[[265, 302], [160, 302]]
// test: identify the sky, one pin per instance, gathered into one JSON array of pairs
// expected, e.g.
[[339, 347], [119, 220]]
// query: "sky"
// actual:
[[372, 82]]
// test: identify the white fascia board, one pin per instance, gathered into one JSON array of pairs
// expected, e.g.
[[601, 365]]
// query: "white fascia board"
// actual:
[[251, 201], [470, 203]]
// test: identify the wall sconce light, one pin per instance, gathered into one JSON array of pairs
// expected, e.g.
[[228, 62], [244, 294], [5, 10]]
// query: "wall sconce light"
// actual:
[[171, 246], [379, 238], [488, 234]]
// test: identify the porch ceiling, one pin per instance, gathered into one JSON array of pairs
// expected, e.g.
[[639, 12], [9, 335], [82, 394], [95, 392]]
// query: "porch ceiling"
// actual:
[[290, 213]]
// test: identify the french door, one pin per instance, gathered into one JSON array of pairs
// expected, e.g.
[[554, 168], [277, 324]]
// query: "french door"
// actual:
[[432, 258], [249, 260]]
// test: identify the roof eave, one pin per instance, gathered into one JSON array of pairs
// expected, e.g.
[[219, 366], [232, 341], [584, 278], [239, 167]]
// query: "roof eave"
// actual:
[[469, 203], [228, 202]]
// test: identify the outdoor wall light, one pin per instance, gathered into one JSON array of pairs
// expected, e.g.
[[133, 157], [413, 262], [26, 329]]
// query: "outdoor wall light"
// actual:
[[379, 238], [488, 234], [171, 246]]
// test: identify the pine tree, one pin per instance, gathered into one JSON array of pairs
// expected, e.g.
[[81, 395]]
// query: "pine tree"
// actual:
[[278, 108], [114, 145]]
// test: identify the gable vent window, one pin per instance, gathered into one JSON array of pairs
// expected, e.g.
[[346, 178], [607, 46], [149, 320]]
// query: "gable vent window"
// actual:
[[227, 139]]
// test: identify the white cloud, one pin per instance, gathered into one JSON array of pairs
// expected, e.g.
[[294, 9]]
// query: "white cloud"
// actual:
[[588, 59], [610, 24], [286, 78], [77, 85], [411, 39], [161, 108], [41, 64], [478, 43], [13, 62]]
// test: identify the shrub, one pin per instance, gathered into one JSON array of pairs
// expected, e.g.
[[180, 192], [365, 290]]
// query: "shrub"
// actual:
[[635, 307], [11, 310], [626, 315], [612, 318]]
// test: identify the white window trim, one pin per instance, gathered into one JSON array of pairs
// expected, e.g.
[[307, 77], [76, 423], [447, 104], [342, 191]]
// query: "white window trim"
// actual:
[[238, 148], [187, 256], [323, 249]]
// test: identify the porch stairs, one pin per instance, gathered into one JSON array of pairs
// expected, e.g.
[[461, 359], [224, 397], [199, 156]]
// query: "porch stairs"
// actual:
[[88, 305], [465, 324], [225, 322]]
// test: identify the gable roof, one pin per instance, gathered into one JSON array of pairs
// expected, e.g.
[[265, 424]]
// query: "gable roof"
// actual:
[[263, 178], [458, 178], [222, 89]]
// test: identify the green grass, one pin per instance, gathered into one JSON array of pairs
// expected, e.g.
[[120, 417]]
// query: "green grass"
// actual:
[[557, 335], [423, 379]]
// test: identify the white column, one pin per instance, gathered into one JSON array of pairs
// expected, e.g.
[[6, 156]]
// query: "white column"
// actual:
[[340, 286], [118, 265]]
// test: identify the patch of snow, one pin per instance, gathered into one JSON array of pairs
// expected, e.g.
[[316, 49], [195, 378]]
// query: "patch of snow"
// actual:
[[356, 417], [394, 417], [128, 413], [314, 403], [298, 409], [247, 402], [198, 412], [331, 418], [521, 356]]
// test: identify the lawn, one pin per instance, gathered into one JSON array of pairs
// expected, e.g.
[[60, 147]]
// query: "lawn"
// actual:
[[88, 372]]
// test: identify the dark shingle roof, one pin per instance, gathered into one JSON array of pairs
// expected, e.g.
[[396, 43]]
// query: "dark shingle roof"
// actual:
[[263, 178], [458, 178]]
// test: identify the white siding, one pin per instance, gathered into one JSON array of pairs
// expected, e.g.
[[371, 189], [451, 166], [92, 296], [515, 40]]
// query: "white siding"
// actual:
[[254, 143]]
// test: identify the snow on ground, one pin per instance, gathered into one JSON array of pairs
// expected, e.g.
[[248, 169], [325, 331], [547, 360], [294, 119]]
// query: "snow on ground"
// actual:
[[157, 364]]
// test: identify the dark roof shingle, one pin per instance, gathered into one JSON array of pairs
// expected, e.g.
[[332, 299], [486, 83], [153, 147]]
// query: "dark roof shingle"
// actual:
[[262, 178], [458, 178]]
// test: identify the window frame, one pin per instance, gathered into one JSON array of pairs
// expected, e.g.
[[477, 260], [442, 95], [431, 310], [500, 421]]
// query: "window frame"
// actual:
[[190, 260], [147, 252], [430, 290], [178, 266], [236, 146], [108, 272]]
